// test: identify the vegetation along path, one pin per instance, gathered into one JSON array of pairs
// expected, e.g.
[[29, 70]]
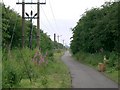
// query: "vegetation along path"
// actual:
[[84, 76]]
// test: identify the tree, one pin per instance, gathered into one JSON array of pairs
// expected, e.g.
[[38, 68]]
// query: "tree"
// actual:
[[96, 29]]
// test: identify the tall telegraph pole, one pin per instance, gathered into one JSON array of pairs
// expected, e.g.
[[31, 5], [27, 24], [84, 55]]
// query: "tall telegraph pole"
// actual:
[[54, 37], [38, 25], [38, 20]]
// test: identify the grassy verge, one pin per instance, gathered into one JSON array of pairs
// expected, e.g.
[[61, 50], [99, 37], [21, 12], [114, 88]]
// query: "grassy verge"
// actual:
[[0, 68], [92, 60], [54, 74], [0, 75], [113, 75]]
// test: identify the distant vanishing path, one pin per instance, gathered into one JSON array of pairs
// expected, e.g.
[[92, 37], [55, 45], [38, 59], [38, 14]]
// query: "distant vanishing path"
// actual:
[[84, 76]]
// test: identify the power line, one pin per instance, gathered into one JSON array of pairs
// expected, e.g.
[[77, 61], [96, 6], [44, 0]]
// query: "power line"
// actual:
[[44, 25], [41, 21], [53, 14], [47, 19], [38, 20]]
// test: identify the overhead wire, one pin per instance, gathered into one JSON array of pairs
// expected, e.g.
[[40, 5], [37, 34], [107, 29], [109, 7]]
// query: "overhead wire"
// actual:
[[47, 19], [57, 29], [41, 21], [44, 25], [55, 18], [53, 14]]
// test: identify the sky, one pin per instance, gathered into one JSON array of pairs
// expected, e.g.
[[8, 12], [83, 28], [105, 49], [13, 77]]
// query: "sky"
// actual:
[[57, 16]]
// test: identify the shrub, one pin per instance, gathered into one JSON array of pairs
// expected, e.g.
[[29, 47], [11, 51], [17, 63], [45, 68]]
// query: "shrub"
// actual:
[[113, 60], [12, 73], [18, 65]]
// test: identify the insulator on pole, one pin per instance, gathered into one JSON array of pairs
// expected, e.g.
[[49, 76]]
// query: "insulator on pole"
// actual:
[[27, 14], [31, 13]]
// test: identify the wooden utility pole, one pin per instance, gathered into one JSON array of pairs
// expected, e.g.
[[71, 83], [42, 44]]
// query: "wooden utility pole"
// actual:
[[38, 25], [58, 37], [23, 23], [63, 44], [54, 37], [55, 43], [38, 20]]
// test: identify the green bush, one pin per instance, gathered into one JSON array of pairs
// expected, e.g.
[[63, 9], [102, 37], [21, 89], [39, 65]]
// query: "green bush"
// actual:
[[113, 60], [12, 73], [17, 64], [50, 54], [88, 58], [58, 51], [94, 59]]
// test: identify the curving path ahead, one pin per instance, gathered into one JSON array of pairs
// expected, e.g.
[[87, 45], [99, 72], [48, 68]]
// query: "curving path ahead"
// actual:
[[84, 76]]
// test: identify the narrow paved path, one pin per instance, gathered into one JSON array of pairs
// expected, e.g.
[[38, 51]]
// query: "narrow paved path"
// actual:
[[84, 76]]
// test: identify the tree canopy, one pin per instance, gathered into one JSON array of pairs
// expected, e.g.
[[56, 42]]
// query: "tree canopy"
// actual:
[[97, 30]]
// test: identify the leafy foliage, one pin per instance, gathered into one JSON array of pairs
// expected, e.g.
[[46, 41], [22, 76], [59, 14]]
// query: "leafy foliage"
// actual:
[[19, 67], [97, 29], [97, 34], [12, 33]]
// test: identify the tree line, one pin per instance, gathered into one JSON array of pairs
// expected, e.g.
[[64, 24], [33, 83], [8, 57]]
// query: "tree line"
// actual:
[[12, 32], [98, 30]]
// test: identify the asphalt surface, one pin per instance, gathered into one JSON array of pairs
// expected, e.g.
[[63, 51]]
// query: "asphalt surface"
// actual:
[[85, 77]]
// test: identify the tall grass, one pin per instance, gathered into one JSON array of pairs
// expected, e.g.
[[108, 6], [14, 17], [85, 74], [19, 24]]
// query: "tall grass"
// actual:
[[112, 67], [0, 68], [54, 75], [17, 65], [92, 59], [19, 70]]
